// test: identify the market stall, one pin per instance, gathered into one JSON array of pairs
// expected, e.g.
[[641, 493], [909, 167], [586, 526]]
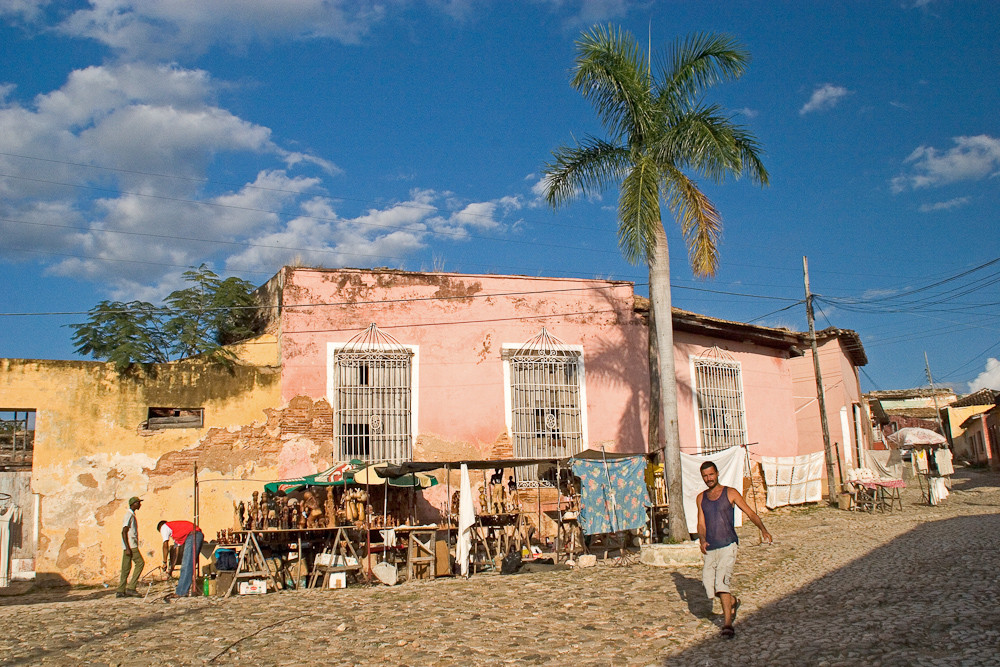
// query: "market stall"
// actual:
[[318, 529], [931, 460]]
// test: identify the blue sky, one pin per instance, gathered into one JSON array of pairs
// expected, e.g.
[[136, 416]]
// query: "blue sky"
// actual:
[[138, 139]]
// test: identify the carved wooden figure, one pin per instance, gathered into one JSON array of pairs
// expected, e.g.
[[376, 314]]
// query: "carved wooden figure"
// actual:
[[330, 509]]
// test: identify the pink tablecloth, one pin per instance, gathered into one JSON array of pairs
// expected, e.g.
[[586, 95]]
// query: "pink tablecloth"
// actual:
[[884, 483]]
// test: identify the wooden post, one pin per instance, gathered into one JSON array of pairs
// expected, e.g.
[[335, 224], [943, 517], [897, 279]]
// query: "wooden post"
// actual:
[[820, 397], [196, 572]]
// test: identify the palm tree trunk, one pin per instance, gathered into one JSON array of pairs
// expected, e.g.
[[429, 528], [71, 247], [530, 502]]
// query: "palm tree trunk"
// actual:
[[654, 384], [660, 305]]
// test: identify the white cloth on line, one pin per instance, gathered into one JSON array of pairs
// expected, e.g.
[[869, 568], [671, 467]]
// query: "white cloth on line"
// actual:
[[466, 520], [888, 463], [937, 490], [793, 480], [730, 463], [942, 457]]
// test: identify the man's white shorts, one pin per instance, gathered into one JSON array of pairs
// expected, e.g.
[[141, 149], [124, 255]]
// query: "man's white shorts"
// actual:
[[718, 570]]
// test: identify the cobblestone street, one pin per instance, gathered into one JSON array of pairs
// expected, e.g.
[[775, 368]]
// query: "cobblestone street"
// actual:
[[837, 588]]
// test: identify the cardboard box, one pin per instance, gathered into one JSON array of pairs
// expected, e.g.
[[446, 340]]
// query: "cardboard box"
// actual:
[[338, 580], [253, 587], [342, 561]]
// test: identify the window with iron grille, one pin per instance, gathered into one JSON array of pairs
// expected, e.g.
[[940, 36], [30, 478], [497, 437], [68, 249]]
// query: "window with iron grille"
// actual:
[[17, 439], [546, 399], [371, 395], [718, 387]]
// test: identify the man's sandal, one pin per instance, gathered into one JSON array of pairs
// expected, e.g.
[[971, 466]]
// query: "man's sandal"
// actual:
[[728, 632]]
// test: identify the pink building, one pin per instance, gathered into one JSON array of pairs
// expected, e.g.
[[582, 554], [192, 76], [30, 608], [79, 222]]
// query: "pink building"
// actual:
[[847, 416], [481, 366]]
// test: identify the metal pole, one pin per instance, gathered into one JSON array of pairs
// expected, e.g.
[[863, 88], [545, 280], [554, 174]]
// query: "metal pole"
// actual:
[[821, 398], [196, 573]]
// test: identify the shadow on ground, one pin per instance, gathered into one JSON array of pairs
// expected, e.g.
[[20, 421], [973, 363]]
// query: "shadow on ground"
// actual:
[[930, 593], [692, 591]]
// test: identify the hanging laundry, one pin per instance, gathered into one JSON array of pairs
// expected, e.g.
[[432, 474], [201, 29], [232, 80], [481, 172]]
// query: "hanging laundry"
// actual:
[[613, 495], [729, 462], [944, 462]]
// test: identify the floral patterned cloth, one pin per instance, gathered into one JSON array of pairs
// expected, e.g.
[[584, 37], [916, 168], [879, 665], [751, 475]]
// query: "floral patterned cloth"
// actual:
[[619, 489]]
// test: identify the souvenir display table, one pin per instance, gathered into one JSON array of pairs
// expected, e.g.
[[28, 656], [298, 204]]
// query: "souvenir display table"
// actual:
[[496, 535], [268, 554]]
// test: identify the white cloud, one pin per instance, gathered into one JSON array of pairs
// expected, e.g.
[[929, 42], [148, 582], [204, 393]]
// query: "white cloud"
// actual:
[[824, 97], [748, 112], [320, 237], [540, 187], [22, 9], [170, 28], [989, 378], [971, 158], [107, 180], [944, 205], [153, 133], [878, 293]]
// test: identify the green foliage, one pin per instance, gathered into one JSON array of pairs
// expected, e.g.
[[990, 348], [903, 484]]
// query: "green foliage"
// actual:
[[198, 320], [658, 129]]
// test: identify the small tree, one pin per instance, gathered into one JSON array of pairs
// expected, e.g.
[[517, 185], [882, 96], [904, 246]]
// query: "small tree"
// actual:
[[199, 320]]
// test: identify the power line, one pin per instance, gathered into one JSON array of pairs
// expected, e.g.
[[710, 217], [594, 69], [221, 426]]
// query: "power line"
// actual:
[[774, 312]]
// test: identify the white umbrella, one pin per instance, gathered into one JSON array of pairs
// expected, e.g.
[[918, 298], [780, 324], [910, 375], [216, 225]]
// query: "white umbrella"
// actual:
[[466, 519], [913, 436]]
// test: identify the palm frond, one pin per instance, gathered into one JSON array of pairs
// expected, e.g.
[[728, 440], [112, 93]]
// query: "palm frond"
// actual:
[[586, 168], [613, 74], [699, 62], [707, 141], [639, 211], [701, 224]]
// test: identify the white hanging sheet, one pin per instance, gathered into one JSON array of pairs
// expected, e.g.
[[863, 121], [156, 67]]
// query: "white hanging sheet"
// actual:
[[793, 480], [888, 463], [730, 463], [466, 520], [942, 457]]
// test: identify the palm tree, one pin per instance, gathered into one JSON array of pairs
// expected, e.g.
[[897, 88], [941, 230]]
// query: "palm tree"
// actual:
[[659, 130]]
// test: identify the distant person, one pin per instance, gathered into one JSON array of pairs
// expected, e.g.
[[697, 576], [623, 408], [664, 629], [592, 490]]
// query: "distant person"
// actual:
[[131, 557], [717, 536], [189, 538]]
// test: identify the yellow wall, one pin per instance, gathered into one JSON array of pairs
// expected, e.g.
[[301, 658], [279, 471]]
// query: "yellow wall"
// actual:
[[963, 448], [92, 453]]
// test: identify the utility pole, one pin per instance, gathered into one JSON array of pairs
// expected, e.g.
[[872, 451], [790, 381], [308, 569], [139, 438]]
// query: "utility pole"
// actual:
[[937, 410], [820, 397]]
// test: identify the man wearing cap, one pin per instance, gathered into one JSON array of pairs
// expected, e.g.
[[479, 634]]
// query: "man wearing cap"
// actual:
[[131, 557], [189, 537]]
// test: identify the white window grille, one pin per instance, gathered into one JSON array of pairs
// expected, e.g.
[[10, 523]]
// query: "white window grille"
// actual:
[[372, 398], [718, 387], [546, 401]]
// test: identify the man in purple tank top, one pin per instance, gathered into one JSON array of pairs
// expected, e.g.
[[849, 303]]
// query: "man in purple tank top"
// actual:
[[717, 535]]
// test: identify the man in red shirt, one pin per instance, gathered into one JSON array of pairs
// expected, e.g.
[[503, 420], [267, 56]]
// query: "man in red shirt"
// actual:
[[189, 538]]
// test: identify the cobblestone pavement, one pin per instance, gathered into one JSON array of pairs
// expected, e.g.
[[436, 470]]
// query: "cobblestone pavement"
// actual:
[[837, 588]]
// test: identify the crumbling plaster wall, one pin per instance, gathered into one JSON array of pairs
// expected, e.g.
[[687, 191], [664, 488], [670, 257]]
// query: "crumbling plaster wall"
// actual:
[[92, 454], [459, 324]]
